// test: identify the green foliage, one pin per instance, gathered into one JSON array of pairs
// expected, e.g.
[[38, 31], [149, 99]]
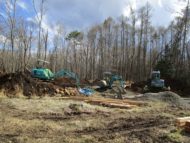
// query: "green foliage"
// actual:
[[166, 68], [73, 35]]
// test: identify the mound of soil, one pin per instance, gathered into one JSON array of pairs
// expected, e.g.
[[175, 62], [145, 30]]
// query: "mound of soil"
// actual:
[[138, 86], [65, 82], [68, 82], [85, 82], [22, 83], [168, 97]]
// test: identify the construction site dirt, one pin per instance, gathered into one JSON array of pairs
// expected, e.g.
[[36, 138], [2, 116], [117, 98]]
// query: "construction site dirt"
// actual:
[[23, 84], [33, 110]]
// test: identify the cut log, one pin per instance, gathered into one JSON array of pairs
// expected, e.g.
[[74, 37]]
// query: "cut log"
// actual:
[[187, 126], [112, 103], [187, 123], [181, 122]]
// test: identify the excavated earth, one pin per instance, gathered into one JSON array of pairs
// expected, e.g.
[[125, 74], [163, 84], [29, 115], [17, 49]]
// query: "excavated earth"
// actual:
[[20, 82], [16, 84]]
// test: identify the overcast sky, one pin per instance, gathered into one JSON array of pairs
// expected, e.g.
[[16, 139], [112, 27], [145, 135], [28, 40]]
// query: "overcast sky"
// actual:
[[79, 14]]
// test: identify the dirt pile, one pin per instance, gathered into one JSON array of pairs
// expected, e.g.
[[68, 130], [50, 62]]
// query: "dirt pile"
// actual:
[[22, 83], [15, 83], [68, 82], [65, 82], [168, 97], [138, 86], [85, 82]]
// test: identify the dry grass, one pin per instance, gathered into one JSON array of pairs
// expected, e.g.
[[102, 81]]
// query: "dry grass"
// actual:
[[50, 120], [44, 120]]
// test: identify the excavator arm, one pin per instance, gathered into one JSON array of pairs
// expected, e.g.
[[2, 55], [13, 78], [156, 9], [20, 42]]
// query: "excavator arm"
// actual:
[[69, 74], [117, 78]]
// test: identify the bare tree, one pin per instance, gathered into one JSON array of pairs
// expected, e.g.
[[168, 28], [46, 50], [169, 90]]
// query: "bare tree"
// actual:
[[11, 21], [40, 11]]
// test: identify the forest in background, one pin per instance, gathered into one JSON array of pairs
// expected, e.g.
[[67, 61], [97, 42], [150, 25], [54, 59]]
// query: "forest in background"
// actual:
[[130, 46]]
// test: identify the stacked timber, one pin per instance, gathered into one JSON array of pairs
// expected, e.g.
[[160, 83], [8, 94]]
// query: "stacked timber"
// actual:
[[67, 91], [111, 103], [180, 122], [187, 126], [184, 123]]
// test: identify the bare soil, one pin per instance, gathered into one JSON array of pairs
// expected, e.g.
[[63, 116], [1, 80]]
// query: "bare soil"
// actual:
[[15, 84]]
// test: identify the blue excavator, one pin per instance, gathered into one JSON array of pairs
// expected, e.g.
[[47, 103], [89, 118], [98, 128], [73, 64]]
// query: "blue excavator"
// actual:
[[114, 82], [47, 75], [109, 79], [155, 83]]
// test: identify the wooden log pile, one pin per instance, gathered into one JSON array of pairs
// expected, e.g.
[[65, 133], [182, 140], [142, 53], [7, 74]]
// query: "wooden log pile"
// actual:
[[69, 91], [111, 103], [187, 126], [183, 123]]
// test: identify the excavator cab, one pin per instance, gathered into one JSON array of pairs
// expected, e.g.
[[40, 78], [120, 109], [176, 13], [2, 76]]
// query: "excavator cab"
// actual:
[[114, 82], [156, 82], [40, 72], [109, 79]]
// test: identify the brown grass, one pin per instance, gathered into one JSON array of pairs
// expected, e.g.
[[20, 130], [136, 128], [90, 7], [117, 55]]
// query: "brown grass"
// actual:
[[50, 120]]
